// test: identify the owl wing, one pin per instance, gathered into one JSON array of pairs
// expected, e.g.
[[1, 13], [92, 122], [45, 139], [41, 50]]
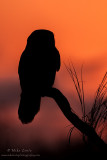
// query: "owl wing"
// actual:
[[58, 62]]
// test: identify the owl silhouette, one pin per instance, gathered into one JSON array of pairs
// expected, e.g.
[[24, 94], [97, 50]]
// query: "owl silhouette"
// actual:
[[37, 69]]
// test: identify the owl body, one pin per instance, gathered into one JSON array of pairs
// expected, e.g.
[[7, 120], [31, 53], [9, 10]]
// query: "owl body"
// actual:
[[37, 68]]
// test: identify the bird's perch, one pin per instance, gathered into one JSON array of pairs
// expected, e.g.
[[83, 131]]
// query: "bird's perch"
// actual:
[[64, 105]]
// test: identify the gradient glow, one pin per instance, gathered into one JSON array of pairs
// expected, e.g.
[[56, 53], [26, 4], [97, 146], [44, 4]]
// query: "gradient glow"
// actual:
[[80, 29]]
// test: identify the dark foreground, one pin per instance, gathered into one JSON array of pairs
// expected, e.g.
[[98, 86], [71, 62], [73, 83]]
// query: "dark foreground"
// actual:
[[78, 151]]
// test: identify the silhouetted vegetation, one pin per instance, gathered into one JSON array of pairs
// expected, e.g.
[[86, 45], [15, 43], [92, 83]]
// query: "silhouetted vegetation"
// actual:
[[97, 117], [37, 69]]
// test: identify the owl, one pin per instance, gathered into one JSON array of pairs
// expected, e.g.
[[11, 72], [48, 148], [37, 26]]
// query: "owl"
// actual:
[[37, 68]]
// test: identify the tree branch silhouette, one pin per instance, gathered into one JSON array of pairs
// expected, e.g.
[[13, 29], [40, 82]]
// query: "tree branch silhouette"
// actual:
[[37, 69], [83, 127]]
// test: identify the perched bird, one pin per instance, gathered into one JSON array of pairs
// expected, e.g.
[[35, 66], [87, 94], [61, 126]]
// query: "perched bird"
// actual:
[[37, 69]]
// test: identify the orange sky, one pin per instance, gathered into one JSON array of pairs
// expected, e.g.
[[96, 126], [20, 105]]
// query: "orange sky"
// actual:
[[80, 29]]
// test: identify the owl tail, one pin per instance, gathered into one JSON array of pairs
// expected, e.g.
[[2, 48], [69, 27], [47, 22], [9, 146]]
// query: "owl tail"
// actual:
[[29, 106]]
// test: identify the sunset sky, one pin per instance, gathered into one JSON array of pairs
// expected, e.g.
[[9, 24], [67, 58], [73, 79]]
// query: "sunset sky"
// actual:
[[80, 29]]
